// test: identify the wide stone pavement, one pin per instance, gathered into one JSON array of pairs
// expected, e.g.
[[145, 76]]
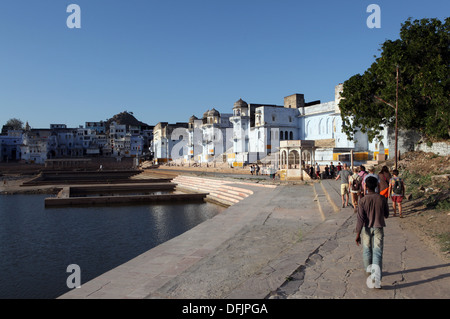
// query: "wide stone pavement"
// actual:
[[293, 241]]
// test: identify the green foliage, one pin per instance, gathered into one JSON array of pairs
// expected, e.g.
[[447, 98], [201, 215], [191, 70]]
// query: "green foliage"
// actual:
[[443, 205], [444, 241], [422, 55], [14, 123], [414, 181]]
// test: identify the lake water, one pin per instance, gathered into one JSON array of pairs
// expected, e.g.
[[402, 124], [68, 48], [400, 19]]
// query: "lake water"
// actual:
[[37, 243]]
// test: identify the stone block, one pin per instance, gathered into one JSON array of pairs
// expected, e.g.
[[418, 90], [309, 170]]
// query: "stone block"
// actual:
[[440, 179]]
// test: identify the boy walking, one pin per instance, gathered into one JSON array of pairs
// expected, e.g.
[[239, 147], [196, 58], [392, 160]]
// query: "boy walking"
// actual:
[[372, 212]]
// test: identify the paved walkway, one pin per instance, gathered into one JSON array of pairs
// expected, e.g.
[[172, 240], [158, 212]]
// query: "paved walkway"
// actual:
[[293, 241]]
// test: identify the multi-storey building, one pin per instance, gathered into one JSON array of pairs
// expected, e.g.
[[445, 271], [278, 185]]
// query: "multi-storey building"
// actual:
[[258, 128], [99, 127], [10, 146], [254, 131], [194, 145], [169, 141], [36, 145], [214, 135], [117, 134]]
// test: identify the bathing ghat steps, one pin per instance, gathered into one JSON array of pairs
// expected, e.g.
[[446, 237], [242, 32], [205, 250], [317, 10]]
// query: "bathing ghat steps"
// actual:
[[222, 191]]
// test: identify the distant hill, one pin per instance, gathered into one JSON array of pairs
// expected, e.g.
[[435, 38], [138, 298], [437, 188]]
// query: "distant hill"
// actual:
[[125, 118]]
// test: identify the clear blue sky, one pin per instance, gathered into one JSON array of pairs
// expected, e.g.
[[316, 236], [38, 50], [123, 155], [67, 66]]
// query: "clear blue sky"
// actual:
[[167, 60]]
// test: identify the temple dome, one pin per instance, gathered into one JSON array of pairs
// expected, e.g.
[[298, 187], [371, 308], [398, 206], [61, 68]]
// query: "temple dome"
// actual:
[[240, 103], [192, 119], [213, 112]]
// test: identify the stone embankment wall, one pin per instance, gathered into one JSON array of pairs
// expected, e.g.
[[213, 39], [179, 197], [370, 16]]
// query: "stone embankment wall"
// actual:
[[439, 148], [409, 140]]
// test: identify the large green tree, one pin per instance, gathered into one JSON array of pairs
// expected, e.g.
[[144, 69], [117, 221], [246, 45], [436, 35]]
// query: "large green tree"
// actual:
[[14, 123], [422, 56]]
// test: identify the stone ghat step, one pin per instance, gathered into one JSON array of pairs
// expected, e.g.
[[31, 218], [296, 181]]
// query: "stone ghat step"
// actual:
[[233, 192], [219, 193], [212, 184], [217, 189], [220, 198], [220, 201], [200, 179]]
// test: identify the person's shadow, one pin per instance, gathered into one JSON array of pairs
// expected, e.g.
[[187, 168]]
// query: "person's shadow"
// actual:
[[397, 285]]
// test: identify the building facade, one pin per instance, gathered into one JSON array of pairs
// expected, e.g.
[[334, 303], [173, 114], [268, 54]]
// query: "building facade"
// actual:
[[252, 132], [169, 141], [10, 146]]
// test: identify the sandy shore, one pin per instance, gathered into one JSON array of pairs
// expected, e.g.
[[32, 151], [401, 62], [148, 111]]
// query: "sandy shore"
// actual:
[[11, 184]]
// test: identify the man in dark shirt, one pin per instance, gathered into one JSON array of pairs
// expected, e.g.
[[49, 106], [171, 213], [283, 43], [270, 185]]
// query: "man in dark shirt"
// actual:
[[372, 211]]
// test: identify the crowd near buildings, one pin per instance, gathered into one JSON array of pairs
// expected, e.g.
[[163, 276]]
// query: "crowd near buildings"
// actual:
[[293, 133]]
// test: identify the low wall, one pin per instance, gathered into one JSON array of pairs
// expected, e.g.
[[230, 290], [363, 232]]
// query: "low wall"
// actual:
[[439, 148], [112, 200], [294, 175]]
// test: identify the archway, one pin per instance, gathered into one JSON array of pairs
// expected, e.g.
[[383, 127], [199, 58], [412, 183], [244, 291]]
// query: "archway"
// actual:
[[294, 159]]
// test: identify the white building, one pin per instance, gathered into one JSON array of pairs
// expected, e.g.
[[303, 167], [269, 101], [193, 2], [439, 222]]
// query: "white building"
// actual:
[[258, 130], [214, 141], [99, 127], [35, 145], [169, 141], [253, 132], [117, 135], [10, 146], [194, 145]]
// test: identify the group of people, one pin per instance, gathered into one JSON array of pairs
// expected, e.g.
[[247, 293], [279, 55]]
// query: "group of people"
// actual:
[[254, 169], [353, 183], [329, 171], [370, 193]]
